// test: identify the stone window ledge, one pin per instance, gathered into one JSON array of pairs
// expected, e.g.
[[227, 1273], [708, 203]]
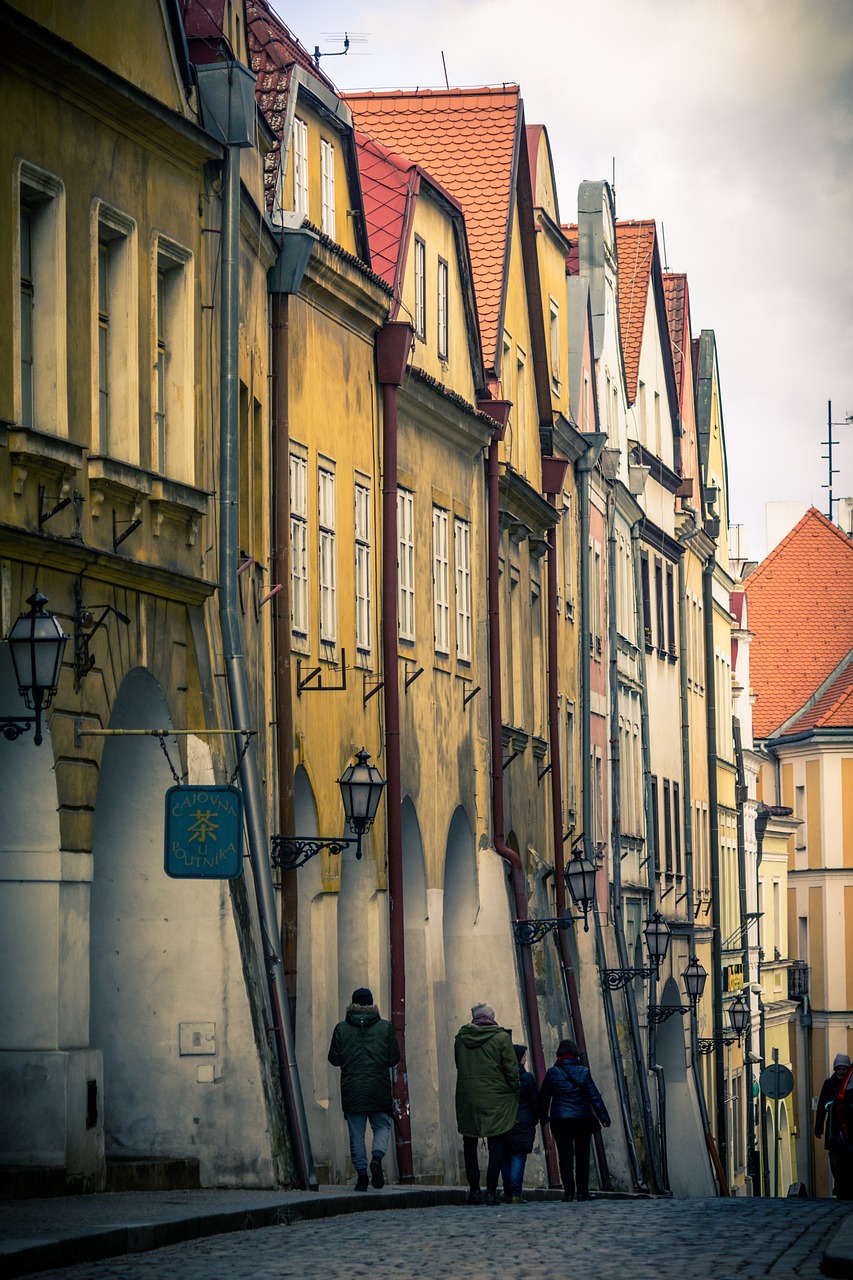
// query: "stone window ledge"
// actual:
[[44, 455]]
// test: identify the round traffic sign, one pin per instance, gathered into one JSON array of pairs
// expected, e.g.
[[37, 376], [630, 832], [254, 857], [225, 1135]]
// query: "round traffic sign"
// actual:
[[776, 1081]]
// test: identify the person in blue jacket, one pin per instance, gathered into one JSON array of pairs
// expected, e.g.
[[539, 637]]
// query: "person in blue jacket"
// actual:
[[570, 1102], [520, 1139]]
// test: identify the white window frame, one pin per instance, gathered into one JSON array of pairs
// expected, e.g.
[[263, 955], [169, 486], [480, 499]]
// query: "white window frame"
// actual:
[[441, 579], [363, 567], [300, 166], [327, 187], [566, 583], [327, 551], [462, 562], [420, 289], [406, 564], [554, 341], [115, 334], [443, 305], [42, 403], [172, 346], [299, 610]]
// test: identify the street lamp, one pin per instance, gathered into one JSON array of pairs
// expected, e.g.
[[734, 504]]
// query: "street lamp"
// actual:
[[36, 643], [695, 976], [361, 787], [580, 878], [658, 934], [739, 1017]]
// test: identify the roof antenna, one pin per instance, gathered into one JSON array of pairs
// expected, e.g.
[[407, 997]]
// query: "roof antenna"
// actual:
[[358, 37], [444, 64], [663, 238]]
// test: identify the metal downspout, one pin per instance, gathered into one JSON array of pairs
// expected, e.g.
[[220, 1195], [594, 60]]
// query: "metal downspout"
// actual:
[[563, 942], [229, 477], [652, 852], [531, 1007], [393, 343], [616, 797], [744, 938], [714, 832]]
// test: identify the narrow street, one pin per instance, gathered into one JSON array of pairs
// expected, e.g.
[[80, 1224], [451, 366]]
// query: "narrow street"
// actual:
[[602, 1240]]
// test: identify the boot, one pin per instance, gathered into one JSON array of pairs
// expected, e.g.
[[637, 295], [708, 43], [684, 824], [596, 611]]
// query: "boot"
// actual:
[[361, 1183], [377, 1177], [474, 1196]]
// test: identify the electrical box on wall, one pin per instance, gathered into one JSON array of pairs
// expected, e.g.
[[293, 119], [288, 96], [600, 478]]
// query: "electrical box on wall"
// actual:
[[196, 1038]]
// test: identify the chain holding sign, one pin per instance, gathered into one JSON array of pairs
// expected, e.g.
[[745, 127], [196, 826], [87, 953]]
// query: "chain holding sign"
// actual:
[[204, 833]]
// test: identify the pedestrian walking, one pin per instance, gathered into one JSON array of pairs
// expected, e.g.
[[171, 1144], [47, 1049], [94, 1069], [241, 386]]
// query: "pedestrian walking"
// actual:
[[575, 1109], [365, 1048], [521, 1137], [829, 1127], [487, 1089]]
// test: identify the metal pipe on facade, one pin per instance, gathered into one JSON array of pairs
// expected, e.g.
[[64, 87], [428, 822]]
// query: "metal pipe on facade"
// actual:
[[393, 343], [229, 494], [509, 855], [714, 843]]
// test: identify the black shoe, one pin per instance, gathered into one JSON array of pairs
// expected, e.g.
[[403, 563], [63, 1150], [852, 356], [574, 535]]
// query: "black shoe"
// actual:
[[586, 1195], [474, 1196], [569, 1195], [377, 1177], [491, 1198], [361, 1184]]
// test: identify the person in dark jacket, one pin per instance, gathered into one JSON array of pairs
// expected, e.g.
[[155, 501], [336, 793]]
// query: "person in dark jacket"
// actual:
[[839, 1158], [365, 1047], [521, 1137], [486, 1095], [571, 1103]]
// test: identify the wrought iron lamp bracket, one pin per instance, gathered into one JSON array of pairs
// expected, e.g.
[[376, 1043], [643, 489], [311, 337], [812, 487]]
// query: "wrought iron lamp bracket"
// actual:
[[709, 1044], [290, 852], [617, 979], [526, 932], [660, 1012], [12, 727]]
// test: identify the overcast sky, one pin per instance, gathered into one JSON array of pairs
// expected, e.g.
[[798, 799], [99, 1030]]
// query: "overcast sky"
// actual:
[[731, 123]]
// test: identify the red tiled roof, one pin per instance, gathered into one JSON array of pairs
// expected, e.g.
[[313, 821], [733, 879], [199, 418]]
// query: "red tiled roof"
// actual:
[[635, 250], [275, 52], [833, 709], [466, 139], [675, 295], [388, 182], [801, 616]]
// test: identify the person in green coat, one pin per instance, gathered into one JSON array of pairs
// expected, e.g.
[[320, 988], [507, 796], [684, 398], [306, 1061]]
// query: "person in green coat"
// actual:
[[365, 1048], [487, 1089]]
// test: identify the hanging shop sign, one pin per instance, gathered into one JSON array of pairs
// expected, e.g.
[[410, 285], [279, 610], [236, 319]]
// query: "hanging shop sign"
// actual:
[[204, 833]]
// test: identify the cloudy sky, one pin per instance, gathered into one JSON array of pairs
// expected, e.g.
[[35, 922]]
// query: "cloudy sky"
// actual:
[[731, 123]]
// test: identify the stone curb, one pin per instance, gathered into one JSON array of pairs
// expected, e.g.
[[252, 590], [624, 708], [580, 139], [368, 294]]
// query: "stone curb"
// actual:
[[837, 1257]]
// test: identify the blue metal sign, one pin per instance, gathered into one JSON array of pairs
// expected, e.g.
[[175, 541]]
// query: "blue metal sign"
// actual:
[[204, 833]]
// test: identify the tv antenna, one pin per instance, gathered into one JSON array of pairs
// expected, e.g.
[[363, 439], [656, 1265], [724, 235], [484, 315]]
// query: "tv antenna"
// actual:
[[829, 442], [357, 37]]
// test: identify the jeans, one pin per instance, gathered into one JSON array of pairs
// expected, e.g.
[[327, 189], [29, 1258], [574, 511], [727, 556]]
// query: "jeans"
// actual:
[[380, 1123], [573, 1140], [512, 1172], [472, 1163]]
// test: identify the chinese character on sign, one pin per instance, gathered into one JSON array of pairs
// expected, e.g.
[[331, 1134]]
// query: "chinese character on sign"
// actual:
[[204, 833]]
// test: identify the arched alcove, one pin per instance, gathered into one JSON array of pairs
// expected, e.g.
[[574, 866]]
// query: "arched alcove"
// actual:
[[461, 908], [689, 1173]]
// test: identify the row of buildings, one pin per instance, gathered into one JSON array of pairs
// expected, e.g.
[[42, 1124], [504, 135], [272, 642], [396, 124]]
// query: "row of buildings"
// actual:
[[324, 428]]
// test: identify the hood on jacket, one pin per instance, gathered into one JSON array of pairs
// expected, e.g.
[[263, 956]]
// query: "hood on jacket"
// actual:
[[473, 1037], [362, 1015]]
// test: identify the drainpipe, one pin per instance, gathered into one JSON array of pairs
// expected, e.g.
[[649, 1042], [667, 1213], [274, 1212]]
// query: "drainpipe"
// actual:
[[762, 817], [393, 343], [744, 934], [229, 495], [714, 824], [553, 473], [616, 817], [499, 410]]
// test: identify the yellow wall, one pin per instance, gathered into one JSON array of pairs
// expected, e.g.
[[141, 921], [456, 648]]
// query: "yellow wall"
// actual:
[[813, 813], [847, 812]]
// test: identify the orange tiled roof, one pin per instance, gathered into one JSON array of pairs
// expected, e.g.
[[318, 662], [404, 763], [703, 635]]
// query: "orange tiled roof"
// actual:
[[275, 52], [801, 616], [635, 250], [833, 709], [675, 295], [388, 182], [466, 138]]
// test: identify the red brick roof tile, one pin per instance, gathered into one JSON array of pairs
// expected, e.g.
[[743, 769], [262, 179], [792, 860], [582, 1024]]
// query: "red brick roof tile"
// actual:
[[388, 182], [635, 250], [801, 616], [833, 709], [675, 295], [466, 138]]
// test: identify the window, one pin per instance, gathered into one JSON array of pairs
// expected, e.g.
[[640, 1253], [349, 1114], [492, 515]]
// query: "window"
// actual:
[[667, 826], [172, 344], [328, 565], [676, 826], [300, 167], [569, 785], [442, 309], [299, 544], [654, 834], [554, 335], [441, 580], [520, 406], [327, 187], [406, 564], [670, 611], [251, 475], [566, 580], [660, 608], [363, 569], [420, 289], [647, 598], [641, 405], [587, 411], [42, 362], [116, 331], [462, 556]]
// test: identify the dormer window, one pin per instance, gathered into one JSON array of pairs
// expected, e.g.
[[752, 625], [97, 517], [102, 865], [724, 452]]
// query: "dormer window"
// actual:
[[420, 288], [327, 187], [300, 166], [442, 309]]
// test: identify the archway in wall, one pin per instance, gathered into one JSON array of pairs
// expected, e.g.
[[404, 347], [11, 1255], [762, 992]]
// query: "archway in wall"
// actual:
[[786, 1174], [420, 1010], [460, 986], [687, 1156]]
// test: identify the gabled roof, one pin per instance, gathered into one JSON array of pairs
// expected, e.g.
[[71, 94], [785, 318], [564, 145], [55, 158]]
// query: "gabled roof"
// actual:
[[388, 183], [635, 247], [801, 616], [468, 139], [832, 710], [676, 296]]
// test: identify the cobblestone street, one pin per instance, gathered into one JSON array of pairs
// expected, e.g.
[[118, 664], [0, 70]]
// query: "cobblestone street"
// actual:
[[603, 1240]]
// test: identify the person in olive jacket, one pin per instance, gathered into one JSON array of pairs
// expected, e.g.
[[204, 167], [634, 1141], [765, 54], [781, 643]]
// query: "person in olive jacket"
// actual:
[[575, 1109], [365, 1047], [487, 1088]]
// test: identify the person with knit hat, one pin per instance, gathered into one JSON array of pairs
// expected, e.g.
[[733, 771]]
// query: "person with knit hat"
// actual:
[[487, 1090], [571, 1103], [365, 1048], [839, 1158]]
